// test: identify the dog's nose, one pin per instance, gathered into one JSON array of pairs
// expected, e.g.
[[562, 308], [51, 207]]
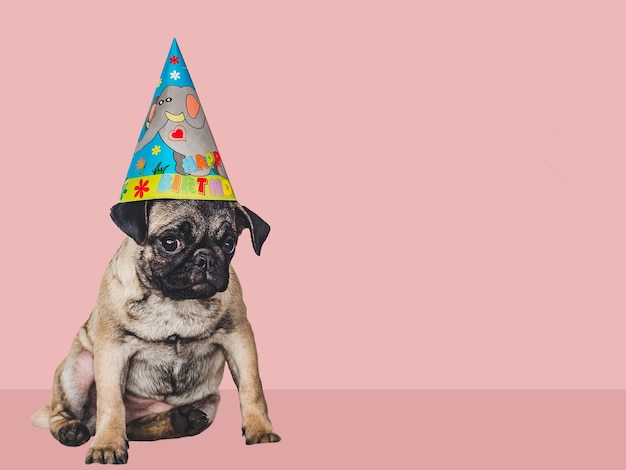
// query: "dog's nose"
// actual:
[[204, 261]]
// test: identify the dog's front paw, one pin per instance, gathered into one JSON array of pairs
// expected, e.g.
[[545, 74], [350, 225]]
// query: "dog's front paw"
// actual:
[[261, 438], [108, 453], [258, 431]]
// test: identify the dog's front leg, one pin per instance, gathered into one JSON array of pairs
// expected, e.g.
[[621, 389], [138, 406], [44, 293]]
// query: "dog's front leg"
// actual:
[[110, 443], [242, 361]]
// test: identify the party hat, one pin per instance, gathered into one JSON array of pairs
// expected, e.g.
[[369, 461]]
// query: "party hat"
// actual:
[[176, 156]]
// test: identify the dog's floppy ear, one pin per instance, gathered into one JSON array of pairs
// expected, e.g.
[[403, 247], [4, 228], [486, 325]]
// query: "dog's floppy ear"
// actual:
[[259, 229], [132, 219]]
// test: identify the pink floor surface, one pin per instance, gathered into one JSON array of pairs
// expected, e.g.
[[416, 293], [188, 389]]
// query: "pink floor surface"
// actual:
[[368, 429]]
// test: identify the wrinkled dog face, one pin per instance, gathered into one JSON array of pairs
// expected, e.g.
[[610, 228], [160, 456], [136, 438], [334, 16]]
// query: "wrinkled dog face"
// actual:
[[187, 246], [188, 250]]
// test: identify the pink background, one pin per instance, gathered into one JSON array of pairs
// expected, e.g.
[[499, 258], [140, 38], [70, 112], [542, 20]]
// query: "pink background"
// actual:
[[444, 181]]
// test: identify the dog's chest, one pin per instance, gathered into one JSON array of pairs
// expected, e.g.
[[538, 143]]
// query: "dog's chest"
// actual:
[[176, 350], [174, 367]]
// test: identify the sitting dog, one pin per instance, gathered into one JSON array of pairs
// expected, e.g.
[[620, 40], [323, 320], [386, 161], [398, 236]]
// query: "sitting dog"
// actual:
[[148, 362]]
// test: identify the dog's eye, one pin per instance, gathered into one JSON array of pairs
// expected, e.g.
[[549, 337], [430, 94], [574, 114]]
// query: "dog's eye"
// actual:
[[170, 244], [229, 245]]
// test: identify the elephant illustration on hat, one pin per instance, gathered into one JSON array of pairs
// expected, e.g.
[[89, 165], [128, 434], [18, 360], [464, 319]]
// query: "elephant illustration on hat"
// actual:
[[177, 117]]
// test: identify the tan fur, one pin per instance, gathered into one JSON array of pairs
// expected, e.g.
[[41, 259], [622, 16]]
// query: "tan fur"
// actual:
[[109, 383]]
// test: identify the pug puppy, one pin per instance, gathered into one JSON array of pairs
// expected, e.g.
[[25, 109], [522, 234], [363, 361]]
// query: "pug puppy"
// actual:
[[148, 362]]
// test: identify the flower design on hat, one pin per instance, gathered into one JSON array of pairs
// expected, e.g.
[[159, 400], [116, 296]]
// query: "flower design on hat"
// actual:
[[141, 188], [141, 164]]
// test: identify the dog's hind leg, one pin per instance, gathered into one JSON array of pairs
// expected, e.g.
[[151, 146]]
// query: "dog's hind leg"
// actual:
[[72, 406], [180, 421]]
